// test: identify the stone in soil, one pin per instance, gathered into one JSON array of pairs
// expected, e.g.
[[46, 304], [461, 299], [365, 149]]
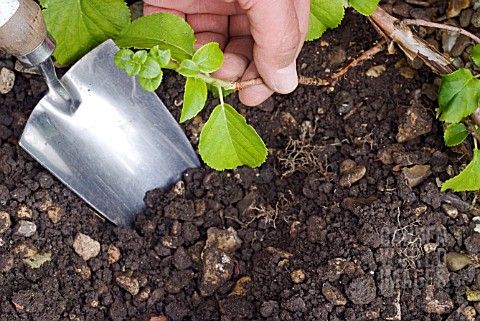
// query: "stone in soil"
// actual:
[[5, 222], [113, 254], [26, 228], [415, 175], [7, 80], [85, 246], [437, 301], [417, 121], [128, 282], [333, 295], [456, 261], [362, 290]]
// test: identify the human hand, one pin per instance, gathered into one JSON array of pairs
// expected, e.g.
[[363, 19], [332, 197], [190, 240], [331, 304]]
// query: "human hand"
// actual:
[[260, 38]]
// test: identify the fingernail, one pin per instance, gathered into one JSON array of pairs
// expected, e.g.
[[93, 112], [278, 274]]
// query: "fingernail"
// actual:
[[286, 79]]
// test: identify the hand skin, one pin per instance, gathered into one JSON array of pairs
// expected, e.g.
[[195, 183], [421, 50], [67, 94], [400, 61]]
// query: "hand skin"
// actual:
[[260, 38]]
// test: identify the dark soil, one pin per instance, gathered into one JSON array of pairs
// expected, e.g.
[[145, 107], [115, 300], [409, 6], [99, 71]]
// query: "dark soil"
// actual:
[[316, 244]]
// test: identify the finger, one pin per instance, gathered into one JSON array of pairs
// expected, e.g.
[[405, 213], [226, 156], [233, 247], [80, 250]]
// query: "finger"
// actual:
[[275, 29], [238, 55], [239, 26], [254, 95], [302, 7], [209, 28], [198, 6], [148, 10]]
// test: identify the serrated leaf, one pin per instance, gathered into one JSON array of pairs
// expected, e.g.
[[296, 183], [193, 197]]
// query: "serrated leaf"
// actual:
[[455, 134], [469, 179], [80, 25], [162, 56], [132, 67], [122, 57], [458, 95], [151, 84], [167, 31], [475, 54], [37, 260], [209, 57], [150, 68], [194, 98], [365, 7], [324, 15], [227, 141], [472, 295], [140, 56], [188, 68]]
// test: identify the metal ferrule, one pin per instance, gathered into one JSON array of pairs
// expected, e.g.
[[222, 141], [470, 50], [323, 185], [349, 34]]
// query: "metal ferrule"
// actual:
[[38, 55]]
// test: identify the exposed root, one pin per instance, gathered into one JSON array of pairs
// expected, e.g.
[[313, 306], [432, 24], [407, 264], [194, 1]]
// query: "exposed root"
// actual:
[[406, 243]]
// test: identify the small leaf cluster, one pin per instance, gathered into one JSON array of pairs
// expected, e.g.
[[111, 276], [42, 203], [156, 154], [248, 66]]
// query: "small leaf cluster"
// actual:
[[458, 98], [147, 64]]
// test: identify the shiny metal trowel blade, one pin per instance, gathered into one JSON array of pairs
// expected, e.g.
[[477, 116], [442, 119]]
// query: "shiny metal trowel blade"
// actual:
[[120, 143]]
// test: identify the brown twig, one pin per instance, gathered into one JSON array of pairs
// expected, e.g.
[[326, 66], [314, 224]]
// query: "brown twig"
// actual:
[[472, 129], [425, 23]]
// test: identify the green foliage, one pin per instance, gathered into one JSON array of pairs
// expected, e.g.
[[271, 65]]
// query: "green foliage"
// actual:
[[167, 31], [209, 58], [329, 14], [194, 98], [80, 25], [227, 141], [475, 53], [469, 179], [455, 134], [458, 96]]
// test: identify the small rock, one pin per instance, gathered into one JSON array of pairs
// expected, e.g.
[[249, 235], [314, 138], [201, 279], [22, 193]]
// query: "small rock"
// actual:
[[268, 308], [375, 71], [407, 72], [470, 313], [333, 295], [416, 122], [241, 287], [351, 173], [476, 18], [460, 45], [129, 283], [450, 210], [344, 101], [85, 246], [336, 56], [456, 261], [430, 247], [55, 214], [143, 295], [416, 174], [113, 254], [362, 290], [297, 276], [25, 249], [218, 264], [5, 222], [465, 17], [181, 260], [437, 301], [26, 228], [295, 304], [456, 6], [84, 271], [27, 70], [7, 79], [430, 90], [24, 212]]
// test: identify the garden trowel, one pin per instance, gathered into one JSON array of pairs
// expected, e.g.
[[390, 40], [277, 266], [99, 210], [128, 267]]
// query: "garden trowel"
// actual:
[[96, 130]]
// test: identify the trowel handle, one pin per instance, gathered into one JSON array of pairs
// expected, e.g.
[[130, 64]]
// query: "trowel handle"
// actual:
[[22, 28]]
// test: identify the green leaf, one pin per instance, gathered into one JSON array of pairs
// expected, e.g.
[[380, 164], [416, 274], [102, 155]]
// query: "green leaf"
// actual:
[[209, 57], [78, 26], [140, 56], [475, 54], [227, 141], [162, 56], [167, 31], [215, 93], [188, 68], [324, 15], [194, 98], [458, 96], [365, 7], [151, 84], [150, 69], [37, 260], [122, 57], [469, 179], [132, 67], [455, 134]]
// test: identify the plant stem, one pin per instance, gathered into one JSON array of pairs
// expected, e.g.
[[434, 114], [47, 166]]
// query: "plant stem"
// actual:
[[425, 23], [472, 130]]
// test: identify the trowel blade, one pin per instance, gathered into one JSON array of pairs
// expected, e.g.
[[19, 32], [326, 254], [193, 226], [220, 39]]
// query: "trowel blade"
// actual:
[[120, 143]]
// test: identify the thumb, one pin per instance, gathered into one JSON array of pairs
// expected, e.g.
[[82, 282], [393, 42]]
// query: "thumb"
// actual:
[[275, 29]]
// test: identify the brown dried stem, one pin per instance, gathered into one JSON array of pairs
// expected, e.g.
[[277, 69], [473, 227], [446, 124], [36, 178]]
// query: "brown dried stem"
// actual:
[[425, 23]]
